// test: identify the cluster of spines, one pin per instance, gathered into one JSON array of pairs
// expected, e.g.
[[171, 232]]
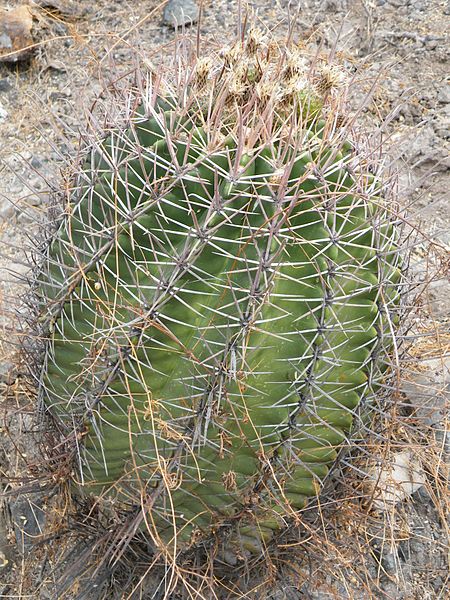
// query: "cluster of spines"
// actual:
[[196, 181]]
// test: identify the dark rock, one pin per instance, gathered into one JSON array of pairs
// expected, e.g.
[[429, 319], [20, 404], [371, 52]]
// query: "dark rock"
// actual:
[[180, 12], [36, 163], [390, 562], [59, 94], [5, 86]]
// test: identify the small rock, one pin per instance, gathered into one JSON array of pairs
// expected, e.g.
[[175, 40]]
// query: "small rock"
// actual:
[[180, 12], [60, 94], [3, 114], [56, 65], [36, 162], [396, 479], [5, 86], [443, 132], [438, 296], [391, 561], [444, 94], [432, 44], [8, 370], [447, 9], [427, 390], [422, 147], [333, 5], [7, 210], [15, 34]]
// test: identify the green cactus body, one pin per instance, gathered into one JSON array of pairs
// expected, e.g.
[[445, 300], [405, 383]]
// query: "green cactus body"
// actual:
[[217, 310]]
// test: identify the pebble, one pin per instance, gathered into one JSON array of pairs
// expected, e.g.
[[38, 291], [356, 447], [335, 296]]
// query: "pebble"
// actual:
[[36, 162], [60, 94], [444, 94], [15, 34], [5, 86], [180, 12], [421, 148], [390, 562], [395, 479], [7, 210], [8, 370], [438, 295], [3, 114], [427, 391]]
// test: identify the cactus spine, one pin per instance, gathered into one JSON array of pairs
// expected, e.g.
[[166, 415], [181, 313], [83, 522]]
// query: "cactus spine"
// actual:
[[218, 299]]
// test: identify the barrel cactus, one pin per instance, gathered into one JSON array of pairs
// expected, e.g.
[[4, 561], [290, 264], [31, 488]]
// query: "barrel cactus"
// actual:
[[220, 296]]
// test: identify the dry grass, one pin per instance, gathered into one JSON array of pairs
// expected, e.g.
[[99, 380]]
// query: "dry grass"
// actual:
[[337, 545]]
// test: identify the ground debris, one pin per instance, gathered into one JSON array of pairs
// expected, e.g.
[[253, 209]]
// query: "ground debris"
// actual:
[[341, 561]]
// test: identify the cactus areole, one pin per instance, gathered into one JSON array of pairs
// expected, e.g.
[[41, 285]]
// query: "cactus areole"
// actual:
[[220, 297]]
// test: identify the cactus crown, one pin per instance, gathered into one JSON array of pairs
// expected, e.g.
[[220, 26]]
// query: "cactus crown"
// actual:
[[219, 297]]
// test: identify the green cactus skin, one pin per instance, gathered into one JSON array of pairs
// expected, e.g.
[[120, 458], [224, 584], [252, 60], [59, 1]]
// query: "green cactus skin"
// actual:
[[218, 301]]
